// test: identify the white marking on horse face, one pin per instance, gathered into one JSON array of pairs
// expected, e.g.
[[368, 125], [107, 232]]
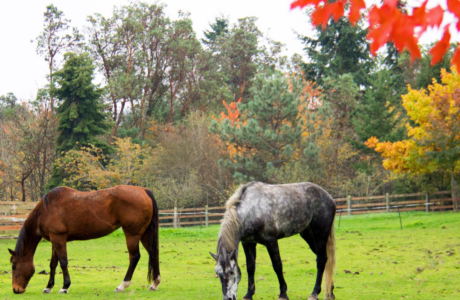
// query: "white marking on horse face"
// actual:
[[218, 268], [233, 290], [234, 277], [232, 264]]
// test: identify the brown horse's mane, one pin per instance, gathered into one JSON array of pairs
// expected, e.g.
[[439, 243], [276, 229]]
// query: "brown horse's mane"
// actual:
[[20, 243], [24, 235], [53, 195]]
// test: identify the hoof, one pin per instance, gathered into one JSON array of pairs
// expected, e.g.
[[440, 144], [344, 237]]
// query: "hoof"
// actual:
[[329, 297], [117, 290], [312, 297], [63, 291], [47, 291], [155, 284]]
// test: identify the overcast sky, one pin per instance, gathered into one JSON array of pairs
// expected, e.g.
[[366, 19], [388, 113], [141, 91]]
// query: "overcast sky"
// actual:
[[22, 71]]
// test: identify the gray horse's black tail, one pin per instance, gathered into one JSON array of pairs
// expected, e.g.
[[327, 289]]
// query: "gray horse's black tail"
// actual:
[[150, 242]]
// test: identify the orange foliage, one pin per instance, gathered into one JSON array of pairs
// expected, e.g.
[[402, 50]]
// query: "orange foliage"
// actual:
[[233, 114]]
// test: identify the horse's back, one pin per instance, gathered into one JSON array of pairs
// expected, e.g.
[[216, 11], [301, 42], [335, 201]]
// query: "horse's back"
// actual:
[[285, 209], [88, 215]]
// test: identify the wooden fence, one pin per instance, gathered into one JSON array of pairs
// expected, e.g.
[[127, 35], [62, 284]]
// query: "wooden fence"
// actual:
[[13, 214]]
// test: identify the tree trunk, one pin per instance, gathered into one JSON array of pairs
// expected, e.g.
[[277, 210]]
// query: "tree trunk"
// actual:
[[23, 190]]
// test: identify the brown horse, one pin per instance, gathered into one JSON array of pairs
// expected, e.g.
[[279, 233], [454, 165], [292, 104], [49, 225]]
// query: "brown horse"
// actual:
[[65, 215]]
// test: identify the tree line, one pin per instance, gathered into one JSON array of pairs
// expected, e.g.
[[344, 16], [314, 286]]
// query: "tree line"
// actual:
[[192, 119]]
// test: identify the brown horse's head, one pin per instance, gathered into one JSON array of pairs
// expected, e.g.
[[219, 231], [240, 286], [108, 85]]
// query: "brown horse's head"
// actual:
[[23, 270]]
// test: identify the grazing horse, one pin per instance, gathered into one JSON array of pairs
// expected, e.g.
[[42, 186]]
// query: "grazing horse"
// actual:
[[65, 215], [260, 213]]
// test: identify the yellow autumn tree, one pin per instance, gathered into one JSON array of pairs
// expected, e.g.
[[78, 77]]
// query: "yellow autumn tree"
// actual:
[[88, 168], [434, 137]]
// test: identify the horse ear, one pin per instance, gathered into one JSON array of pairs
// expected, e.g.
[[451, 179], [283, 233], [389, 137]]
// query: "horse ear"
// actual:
[[213, 256], [232, 255], [12, 252]]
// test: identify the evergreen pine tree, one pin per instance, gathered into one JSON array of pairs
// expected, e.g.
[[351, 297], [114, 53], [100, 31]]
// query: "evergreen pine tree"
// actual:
[[269, 126], [374, 116], [217, 28], [80, 113], [338, 49]]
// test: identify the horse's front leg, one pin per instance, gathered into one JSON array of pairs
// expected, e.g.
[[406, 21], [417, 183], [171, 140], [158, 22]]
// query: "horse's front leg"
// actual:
[[250, 252], [274, 252], [53, 265], [59, 245]]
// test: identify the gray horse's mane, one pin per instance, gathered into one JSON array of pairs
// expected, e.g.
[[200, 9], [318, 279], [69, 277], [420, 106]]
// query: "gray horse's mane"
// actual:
[[229, 234]]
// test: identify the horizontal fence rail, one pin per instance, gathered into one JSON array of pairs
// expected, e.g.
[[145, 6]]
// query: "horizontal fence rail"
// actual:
[[13, 214]]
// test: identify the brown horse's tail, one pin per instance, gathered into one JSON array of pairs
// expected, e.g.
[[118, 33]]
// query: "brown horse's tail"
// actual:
[[330, 263], [150, 242]]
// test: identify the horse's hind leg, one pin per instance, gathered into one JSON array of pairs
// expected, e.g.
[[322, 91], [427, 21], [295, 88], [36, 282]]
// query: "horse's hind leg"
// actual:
[[308, 237], [59, 245], [317, 241], [53, 265], [250, 252], [274, 253], [132, 241]]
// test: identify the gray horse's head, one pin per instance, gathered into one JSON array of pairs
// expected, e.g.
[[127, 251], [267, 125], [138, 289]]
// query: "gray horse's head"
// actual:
[[229, 273]]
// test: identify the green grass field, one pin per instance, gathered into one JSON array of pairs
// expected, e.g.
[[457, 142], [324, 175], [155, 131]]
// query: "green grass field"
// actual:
[[422, 261]]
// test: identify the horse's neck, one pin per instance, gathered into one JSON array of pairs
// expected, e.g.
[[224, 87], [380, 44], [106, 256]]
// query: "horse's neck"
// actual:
[[229, 239], [29, 236]]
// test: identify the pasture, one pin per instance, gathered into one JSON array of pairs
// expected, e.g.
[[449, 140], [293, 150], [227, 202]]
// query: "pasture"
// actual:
[[422, 261]]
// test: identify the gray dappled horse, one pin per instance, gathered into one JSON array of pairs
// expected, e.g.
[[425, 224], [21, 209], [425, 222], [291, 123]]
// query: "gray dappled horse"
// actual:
[[263, 213]]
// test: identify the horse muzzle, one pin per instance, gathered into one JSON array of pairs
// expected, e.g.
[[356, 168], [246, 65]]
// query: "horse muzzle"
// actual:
[[18, 290]]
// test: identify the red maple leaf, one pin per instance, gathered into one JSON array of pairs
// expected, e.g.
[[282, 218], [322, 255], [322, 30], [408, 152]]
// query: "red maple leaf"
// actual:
[[434, 16], [437, 52], [456, 58], [303, 3], [356, 6], [321, 16], [454, 7], [337, 9]]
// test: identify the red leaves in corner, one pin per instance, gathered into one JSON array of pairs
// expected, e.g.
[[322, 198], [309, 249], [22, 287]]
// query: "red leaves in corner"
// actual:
[[389, 23]]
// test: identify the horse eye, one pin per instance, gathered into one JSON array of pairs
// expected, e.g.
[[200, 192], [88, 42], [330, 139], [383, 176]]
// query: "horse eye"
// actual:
[[14, 267], [231, 273]]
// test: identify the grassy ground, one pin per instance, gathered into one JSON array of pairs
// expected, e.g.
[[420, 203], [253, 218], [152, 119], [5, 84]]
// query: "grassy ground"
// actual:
[[422, 261]]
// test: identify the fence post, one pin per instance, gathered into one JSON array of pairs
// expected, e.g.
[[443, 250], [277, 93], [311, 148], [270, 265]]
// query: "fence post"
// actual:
[[175, 217], [388, 202], [349, 205], [206, 215], [427, 202], [454, 193]]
